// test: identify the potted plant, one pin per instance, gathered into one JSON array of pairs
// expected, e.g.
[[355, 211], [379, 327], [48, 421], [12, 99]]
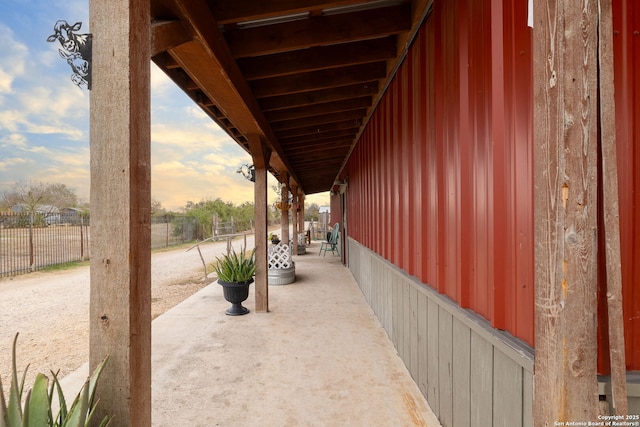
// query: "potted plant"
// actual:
[[235, 274], [275, 239]]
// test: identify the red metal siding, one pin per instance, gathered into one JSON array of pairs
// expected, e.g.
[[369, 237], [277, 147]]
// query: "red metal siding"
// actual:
[[441, 182], [424, 177]]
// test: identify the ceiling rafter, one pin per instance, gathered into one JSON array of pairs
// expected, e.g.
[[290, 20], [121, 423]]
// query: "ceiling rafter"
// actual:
[[211, 53], [303, 75], [318, 58], [321, 119], [309, 130], [318, 137], [319, 30], [317, 109], [231, 12], [319, 96], [334, 77]]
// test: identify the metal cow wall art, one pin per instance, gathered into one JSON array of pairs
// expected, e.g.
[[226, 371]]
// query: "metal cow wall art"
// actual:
[[76, 50]]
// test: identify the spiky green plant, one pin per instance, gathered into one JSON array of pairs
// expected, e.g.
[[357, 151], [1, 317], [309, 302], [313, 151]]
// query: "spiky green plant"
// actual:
[[37, 411], [236, 268]]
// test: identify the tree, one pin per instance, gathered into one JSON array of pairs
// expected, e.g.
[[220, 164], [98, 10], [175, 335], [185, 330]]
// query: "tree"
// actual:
[[156, 207], [38, 194], [61, 196], [206, 212], [311, 212]]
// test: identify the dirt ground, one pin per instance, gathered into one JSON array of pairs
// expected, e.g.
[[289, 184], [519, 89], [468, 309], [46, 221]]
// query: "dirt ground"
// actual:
[[50, 310]]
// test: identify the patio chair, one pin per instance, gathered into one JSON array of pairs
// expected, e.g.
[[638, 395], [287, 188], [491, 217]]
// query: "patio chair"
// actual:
[[332, 241]]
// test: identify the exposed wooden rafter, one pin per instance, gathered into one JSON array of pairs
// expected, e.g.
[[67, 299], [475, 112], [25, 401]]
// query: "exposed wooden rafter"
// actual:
[[302, 75]]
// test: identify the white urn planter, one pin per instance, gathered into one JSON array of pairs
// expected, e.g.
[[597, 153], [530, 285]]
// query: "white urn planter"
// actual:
[[282, 269]]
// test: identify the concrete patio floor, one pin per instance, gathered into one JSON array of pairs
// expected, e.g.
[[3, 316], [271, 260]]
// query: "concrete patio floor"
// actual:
[[318, 358]]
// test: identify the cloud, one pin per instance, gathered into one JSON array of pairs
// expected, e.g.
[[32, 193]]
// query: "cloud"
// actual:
[[44, 120], [14, 140], [161, 84], [6, 164], [12, 58]]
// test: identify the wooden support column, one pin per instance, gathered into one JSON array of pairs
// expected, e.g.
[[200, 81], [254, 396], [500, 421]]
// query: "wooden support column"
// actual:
[[261, 155], [301, 213], [610, 202], [294, 218], [565, 197], [120, 302], [284, 219]]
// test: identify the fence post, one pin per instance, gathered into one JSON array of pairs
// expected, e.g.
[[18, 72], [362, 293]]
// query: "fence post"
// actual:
[[31, 254], [81, 238], [166, 220]]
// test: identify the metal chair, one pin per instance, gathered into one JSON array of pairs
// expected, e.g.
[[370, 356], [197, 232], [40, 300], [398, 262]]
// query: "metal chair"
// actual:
[[332, 241]]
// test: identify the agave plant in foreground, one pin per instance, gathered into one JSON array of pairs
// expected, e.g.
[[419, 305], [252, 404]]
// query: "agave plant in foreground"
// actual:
[[37, 410]]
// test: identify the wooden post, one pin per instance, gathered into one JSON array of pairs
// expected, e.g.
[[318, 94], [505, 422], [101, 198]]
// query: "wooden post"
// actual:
[[565, 199], [261, 156], [301, 213], [294, 218], [284, 219], [120, 307], [611, 211]]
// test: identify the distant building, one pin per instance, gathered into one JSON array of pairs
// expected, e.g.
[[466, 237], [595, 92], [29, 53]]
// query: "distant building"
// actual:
[[48, 213], [71, 215]]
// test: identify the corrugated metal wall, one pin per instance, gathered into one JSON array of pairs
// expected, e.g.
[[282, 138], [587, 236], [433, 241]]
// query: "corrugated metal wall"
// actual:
[[440, 183], [432, 183]]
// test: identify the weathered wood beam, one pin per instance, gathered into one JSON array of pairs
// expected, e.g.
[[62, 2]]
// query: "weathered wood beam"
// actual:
[[250, 10], [166, 35], [321, 30], [565, 215], [318, 58], [323, 79], [260, 155], [611, 205], [319, 96], [120, 135], [318, 109]]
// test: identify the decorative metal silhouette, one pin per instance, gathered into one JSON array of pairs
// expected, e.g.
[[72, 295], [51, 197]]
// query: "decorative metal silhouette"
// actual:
[[76, 50], [248, 171]]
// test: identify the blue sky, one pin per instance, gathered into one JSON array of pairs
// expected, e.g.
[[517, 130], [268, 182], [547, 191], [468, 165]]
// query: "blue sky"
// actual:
[[44, 119]]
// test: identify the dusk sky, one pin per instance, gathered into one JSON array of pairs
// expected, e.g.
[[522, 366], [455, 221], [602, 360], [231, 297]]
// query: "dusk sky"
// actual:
[[44, 119]]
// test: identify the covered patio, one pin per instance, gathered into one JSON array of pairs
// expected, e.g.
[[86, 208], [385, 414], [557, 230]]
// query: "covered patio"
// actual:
[[469, 148], [320, 358]]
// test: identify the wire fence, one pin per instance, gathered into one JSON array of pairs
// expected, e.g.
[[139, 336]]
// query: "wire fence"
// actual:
[[34, 241]]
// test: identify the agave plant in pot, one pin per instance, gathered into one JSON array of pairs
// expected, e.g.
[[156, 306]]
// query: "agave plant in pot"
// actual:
[[235, 274]]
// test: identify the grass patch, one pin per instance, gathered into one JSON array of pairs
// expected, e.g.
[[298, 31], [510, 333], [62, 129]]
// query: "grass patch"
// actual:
[[65, 266]]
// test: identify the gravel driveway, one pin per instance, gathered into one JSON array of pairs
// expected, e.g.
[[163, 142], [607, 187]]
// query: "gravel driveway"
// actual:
[[50, 310]]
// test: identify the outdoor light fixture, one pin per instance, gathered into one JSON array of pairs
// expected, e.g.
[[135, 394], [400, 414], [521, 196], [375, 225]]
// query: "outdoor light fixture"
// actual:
[[248, 171]]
